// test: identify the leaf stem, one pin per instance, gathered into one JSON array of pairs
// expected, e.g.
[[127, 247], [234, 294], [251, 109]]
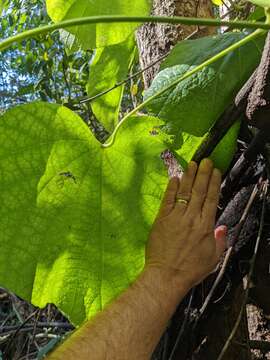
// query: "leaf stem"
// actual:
[[130, 78], [120, 83], [210, 61], [5, 44]]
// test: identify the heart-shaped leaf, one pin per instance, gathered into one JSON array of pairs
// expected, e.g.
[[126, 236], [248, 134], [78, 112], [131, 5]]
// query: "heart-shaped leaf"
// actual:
[[74, 216]]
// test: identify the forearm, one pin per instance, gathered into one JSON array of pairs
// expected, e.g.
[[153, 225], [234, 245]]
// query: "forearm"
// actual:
[[129, 328]]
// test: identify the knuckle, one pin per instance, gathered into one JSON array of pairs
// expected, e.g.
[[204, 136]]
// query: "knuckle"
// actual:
[[205, 172], [184, 195], [168, 201], [162, 218], [197, 193], [187, 220], [192, 221], [170, 193], [212, 199]]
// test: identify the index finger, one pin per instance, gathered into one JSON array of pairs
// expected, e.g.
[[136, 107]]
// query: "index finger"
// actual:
[[168, 201]]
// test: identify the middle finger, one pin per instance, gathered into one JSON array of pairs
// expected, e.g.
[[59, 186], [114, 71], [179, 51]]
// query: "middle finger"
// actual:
[[200, 188]]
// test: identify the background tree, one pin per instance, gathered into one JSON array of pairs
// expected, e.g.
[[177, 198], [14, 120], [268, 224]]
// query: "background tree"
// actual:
[[156, 40]]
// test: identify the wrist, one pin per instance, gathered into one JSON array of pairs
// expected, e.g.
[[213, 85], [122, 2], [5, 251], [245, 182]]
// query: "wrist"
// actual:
[[176, 280], [164, 286]]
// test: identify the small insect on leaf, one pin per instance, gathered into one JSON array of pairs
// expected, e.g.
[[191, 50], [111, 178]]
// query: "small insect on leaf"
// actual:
[[66, 175]]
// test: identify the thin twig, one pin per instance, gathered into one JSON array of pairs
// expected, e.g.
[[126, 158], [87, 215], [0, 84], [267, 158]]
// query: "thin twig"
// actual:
[[18, 329], [32, 336], [230, 250], [181, 332], [223, 2], [120, 83], [26, 357], [38, 324], [10, 315], [252, 265], [131, 77], [227, 14], [66, 81], [47, 336], [20, 351], [14, 307]]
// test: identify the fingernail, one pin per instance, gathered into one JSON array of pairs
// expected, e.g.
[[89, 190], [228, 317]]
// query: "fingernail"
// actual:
[[192, 165], [217, 172], [206, 163], [224, 229]]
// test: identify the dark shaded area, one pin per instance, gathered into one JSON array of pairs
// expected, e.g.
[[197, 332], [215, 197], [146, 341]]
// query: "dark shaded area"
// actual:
[[27, 332]]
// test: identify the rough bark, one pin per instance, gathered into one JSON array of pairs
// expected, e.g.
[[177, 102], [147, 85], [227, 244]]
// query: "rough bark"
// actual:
[[156, 40], [258, 109]]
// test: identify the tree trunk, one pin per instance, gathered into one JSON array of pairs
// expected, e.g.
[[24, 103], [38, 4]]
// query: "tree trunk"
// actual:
[[156, 40]]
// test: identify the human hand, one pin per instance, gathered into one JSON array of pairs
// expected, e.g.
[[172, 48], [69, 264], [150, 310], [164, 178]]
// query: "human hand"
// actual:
[[183, 242]]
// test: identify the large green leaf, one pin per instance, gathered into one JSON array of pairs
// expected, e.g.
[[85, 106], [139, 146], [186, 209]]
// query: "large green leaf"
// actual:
[[257, 15], [110, 66], [196, 103], [93, 36], [74, 216]]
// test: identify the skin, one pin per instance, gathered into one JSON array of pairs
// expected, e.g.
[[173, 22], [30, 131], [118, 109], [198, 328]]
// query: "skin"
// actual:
[[183, 248]]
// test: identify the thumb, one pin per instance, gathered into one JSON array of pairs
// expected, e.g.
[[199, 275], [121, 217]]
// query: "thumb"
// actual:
[[221, 239]]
